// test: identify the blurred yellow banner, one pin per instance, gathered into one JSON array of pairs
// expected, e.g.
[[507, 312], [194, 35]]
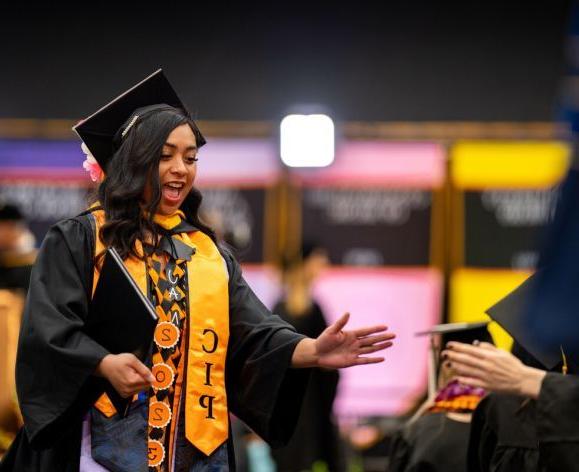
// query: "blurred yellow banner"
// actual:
[[473, 291], [477, 165]]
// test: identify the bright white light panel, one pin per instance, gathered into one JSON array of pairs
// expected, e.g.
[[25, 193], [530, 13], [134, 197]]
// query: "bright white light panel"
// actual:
[[307, 140]]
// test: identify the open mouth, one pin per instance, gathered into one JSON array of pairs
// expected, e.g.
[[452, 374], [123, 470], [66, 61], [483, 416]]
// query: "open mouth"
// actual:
[[172, 190]]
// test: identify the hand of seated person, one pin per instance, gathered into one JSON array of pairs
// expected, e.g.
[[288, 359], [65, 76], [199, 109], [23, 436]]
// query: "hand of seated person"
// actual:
[[493, 369]]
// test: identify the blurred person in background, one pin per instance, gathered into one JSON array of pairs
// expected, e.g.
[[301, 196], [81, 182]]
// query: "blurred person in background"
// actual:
[[556, 416], [17, 254], [436, 438], [17, 248], [532, 423], [503, 433], [315, 444]]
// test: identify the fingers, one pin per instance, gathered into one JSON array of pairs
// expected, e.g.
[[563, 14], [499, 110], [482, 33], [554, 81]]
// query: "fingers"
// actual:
[[142, 370], [488, 346], [360, 333], [476, 351], [469, 371], [465, 359], [375, 348], [370, 340], [339, 325], [472, 381], [368, 360], [130, 383]]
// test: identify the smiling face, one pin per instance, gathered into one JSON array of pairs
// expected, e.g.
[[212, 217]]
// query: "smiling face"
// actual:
[[177, 169]]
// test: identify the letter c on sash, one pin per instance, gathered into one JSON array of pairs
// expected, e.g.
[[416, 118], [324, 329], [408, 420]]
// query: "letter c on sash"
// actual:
[[215, 341], [171, 277]]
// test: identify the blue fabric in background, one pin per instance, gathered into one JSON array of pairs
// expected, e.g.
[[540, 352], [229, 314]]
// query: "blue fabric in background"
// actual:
[[553, 310]]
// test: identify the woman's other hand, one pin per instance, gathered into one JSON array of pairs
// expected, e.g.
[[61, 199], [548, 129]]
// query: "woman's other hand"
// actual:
[[336, 349], [493, 369], [127, 374]]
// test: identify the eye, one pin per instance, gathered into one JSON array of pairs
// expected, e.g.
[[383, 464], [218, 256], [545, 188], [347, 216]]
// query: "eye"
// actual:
[[191, 159], [166, 157]]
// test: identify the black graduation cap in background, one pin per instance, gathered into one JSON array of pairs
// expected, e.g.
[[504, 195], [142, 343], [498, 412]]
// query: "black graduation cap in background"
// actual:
[[509, 313], [98, 130], [460, 332]]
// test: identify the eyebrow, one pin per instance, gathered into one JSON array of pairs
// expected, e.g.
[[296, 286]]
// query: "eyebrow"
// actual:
[[174, 146]]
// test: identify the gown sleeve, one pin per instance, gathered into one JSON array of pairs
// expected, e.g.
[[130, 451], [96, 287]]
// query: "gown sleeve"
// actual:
[[263, 390], [558, 422], [503, 435], [55, 358]]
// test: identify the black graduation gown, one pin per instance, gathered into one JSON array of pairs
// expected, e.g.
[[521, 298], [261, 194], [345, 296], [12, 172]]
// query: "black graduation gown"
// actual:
[[316, 435], [558, 422], [503, 435], [432, 443], [56, 359]]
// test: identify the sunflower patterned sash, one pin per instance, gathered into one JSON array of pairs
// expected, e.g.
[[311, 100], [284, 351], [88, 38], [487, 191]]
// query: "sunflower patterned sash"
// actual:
[[168, 289]]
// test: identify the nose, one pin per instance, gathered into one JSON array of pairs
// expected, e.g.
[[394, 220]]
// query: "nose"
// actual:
[[178, 166]]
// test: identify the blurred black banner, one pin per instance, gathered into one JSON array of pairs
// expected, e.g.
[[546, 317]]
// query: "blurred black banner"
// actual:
[[370, 227], [236, 214], [503, 227], [45, 203]]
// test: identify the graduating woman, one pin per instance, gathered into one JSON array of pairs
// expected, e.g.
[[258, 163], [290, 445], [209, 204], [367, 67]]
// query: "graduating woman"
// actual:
[[216, 348], [437, 440], [316, 442]]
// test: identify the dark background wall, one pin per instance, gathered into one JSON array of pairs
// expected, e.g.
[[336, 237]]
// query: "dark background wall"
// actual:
[[388, 60]]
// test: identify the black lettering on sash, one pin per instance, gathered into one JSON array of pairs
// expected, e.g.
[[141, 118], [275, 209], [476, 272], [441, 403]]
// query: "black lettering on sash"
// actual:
[[208, 374], [206, 401], [215, 341], [160, 376], [165, 332], [157, 414]]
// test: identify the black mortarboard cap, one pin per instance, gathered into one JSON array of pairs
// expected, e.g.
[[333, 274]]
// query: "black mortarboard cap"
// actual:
[[460, 332], [552, 312], [509, 313], [99, 129]]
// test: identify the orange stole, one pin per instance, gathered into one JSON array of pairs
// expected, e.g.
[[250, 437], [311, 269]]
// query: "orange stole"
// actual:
[[206, 413]]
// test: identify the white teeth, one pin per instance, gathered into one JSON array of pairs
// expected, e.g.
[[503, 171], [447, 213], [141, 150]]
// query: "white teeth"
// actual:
[[175, 185]]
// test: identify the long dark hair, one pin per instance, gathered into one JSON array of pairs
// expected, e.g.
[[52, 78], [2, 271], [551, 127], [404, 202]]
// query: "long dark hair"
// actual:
[[134, 163]]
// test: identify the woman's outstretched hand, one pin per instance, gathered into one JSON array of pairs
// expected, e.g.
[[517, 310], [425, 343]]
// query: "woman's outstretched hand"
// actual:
[[493, 369], [336, 349]]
